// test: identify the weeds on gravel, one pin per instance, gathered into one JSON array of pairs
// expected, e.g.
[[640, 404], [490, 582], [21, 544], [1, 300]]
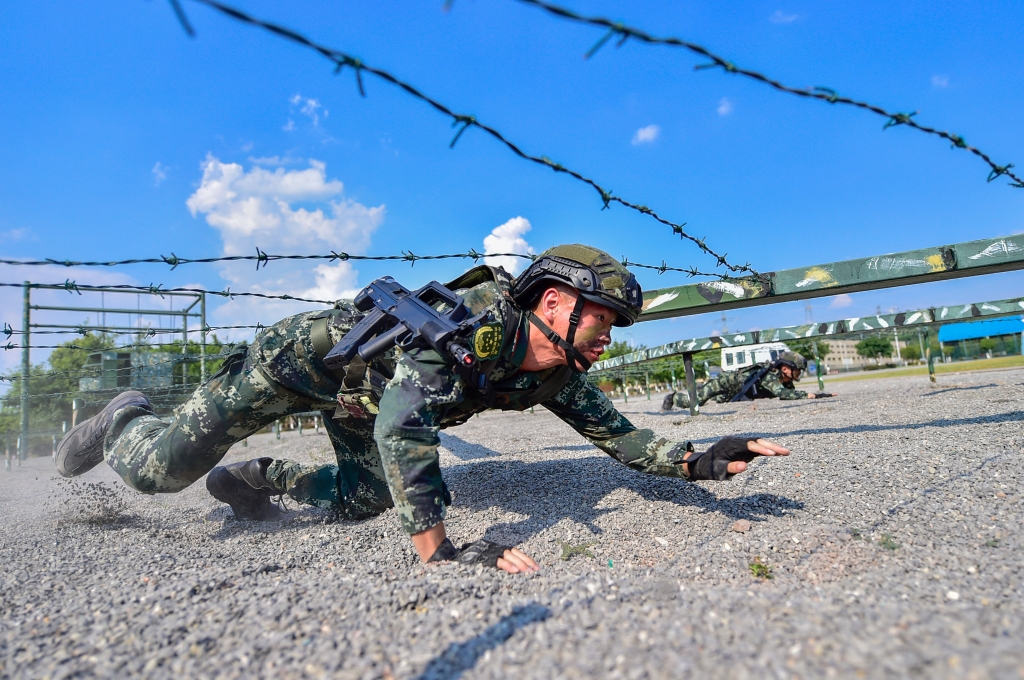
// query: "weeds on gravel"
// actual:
[[569, 551], [992, 543], [856, 534], [760, 570], [888, 542]]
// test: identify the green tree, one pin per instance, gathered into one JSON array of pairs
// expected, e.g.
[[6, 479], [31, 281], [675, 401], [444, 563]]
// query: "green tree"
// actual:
[[988, 344], [618, 348], [805, 348], [872, 348], [911, 352]]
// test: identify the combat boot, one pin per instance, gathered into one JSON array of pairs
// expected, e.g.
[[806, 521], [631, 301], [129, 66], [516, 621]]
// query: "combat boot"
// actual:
[[81, 449], [245, 488], [666, 403]]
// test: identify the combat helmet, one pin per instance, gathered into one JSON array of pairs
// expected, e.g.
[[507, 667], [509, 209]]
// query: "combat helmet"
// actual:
[[794, 360], [597, 276]]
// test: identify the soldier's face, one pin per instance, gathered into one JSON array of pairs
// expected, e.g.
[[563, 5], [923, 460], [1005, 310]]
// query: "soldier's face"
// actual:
[[594, 332]]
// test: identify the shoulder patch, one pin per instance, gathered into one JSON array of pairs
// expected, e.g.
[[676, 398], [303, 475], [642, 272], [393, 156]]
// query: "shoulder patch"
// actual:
[[487, 340]]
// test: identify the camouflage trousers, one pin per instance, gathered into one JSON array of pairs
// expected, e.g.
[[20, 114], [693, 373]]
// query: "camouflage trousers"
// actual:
[[722, 389], [278, 375]]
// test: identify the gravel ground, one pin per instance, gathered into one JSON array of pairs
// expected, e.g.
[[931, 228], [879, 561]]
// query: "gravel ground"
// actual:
[[891, 539]]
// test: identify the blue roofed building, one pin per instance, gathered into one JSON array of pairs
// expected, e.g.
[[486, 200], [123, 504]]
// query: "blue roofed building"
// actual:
[[971, 339]]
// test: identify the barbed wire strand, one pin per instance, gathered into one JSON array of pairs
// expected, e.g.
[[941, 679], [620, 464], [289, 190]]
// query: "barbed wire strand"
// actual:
[[459, 120], [85, 330], [825, 94], [157, 289], [262, 258], [84, 373]]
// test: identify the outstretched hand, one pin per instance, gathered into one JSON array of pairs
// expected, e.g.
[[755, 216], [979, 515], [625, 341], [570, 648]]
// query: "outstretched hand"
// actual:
[[729, 449], [516, 561]]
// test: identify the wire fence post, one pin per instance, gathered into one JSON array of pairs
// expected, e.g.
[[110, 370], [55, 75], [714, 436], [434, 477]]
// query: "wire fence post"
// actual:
[[277, 429], [691, 383], [817, 366], [7, 451], [202, 337], [647, 384], [25, 371], [928, 357]]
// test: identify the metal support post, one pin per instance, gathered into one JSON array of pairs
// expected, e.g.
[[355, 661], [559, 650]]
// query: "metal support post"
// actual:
[[316, 424], [277, 428], [7, 451], [920, 341], [928, 357], [76, 406], [691, 383], [202, 337], [647, 384], [817, 366], [300, 426], [673, 378], [26, 369]]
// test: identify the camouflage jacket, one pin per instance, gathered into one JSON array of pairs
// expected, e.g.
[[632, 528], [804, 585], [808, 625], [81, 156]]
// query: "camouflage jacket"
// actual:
[[772, 385], [426, 395]]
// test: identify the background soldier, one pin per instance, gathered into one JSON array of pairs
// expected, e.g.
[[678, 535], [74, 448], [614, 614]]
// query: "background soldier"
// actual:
[[777, 382], [539, 335]]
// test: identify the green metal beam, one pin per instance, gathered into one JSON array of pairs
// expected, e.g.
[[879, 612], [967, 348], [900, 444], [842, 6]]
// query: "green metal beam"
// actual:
[[973, 258], [885, 322]]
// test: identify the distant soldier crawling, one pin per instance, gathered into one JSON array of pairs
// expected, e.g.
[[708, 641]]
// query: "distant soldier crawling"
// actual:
[[776, 382], [541, 332]]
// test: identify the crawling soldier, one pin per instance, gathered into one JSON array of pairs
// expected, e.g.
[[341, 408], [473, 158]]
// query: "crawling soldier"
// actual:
[[540, 335], [775, 382]]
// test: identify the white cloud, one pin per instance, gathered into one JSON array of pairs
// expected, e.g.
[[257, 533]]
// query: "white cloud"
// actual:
[[274, 160], [940, 81], [159, 173], [646, 135], [13, 234], [310, 108], [780, 17], [724, 107], [840, 301], [255, 208], [289, 126], [508, 238]]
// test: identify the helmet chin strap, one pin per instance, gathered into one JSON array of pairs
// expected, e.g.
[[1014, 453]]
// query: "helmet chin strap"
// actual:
[[572, 355]]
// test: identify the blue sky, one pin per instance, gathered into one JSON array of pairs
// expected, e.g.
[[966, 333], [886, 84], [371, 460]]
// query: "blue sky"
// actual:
[[122, 137]]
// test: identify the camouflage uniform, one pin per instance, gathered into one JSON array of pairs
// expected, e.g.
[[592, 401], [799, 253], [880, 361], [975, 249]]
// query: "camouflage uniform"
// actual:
[[728, 385], [385, 435]]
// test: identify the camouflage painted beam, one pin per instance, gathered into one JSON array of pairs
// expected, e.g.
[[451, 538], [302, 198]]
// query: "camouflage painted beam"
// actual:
[[902, 320], [849, 276]]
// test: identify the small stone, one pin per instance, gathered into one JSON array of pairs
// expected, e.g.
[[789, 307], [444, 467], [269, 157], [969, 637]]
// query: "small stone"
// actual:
[[741, 525], [952, 595], [1000, 494], [661, 541]]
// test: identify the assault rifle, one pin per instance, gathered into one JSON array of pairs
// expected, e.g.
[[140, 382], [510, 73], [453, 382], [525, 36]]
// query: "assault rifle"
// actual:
[[431, 317], [749, 390]]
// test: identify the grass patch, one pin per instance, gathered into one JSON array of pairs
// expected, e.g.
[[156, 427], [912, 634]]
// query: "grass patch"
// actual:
[[760, 570], [888, 542], [569, 551], [955, 367], [992, 543]]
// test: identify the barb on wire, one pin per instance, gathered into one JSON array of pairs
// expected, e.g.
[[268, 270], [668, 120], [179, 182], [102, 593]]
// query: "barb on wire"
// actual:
[[822, 93], [341, 59]]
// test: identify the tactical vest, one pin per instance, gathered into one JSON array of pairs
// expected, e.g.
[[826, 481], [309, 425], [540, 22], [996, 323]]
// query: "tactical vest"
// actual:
[[362, 385]]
